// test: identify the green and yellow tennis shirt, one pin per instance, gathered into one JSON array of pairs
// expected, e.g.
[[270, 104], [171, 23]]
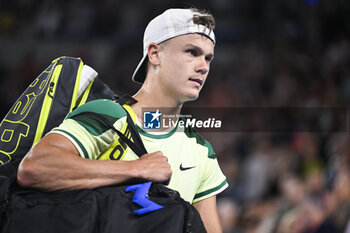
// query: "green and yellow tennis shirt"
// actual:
[[196, 172]]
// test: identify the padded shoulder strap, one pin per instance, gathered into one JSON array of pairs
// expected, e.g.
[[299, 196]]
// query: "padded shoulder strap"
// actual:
[[126, 99]]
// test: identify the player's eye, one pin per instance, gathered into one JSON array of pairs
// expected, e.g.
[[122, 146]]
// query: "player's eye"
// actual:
[[192, 52], [209, 58]]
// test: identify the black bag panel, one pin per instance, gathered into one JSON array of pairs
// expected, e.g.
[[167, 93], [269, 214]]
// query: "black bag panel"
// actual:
[[102, 210], [50, 212], [16, 129], [190, 220], [169, 220], [63, 97], [116, 212], [5, 183], [8, 178], [100, 90]]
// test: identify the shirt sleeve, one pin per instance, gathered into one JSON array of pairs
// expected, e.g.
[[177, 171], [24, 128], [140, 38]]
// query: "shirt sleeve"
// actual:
[[214, 181], [89, 135]]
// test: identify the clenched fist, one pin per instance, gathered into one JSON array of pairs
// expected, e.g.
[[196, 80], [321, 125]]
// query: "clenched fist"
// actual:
[[154, 167]]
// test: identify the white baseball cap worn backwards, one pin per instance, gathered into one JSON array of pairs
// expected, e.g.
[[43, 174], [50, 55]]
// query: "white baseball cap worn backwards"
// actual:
[[170, 24]]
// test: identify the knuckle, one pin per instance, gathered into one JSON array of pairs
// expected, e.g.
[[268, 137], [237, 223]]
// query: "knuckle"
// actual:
[[158, 152]]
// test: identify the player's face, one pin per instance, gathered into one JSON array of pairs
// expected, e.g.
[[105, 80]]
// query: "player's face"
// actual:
[[184, 65]]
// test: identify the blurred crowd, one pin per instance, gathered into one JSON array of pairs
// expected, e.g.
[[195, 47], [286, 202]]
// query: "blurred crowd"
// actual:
[[270, 53]]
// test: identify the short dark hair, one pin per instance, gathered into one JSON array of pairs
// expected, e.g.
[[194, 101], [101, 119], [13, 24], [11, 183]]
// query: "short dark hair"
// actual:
[[204, 18]]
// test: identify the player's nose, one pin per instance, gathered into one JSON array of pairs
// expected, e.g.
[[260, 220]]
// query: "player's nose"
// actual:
[[202, 66]]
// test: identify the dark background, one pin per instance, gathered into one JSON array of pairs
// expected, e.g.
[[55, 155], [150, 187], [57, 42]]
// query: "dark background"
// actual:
[[270, 53]]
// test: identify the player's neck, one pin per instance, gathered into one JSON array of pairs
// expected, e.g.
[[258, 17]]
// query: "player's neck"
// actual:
[[152, 94], [155, 100]]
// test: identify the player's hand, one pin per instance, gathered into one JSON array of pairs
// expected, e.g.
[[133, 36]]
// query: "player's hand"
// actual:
[[154, 167]]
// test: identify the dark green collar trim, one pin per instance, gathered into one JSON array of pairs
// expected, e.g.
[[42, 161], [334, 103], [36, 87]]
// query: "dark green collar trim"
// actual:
[[156, 136]]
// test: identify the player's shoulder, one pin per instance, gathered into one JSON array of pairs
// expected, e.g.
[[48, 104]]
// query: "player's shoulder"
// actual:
[[106, 107], [200, 140]]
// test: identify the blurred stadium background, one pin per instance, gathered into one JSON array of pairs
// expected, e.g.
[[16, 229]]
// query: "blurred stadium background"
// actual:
[[270, 53]]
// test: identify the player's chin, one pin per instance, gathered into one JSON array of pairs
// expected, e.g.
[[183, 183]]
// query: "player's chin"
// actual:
[[193, 95]]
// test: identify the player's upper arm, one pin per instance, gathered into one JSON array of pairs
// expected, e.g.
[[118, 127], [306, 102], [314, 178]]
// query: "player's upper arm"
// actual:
[[52, 144], [49, 152], [209, 214]]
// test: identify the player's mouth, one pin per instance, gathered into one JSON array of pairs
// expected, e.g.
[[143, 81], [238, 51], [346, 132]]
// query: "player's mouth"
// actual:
[[197, 80]]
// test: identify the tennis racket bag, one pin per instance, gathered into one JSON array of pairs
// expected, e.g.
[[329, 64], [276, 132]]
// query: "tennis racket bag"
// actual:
[[65, 84]]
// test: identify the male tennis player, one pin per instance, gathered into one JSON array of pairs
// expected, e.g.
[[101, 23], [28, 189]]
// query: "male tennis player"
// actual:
[[82, 153]]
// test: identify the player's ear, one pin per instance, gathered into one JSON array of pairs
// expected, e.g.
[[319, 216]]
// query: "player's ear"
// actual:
[[153, 54]]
